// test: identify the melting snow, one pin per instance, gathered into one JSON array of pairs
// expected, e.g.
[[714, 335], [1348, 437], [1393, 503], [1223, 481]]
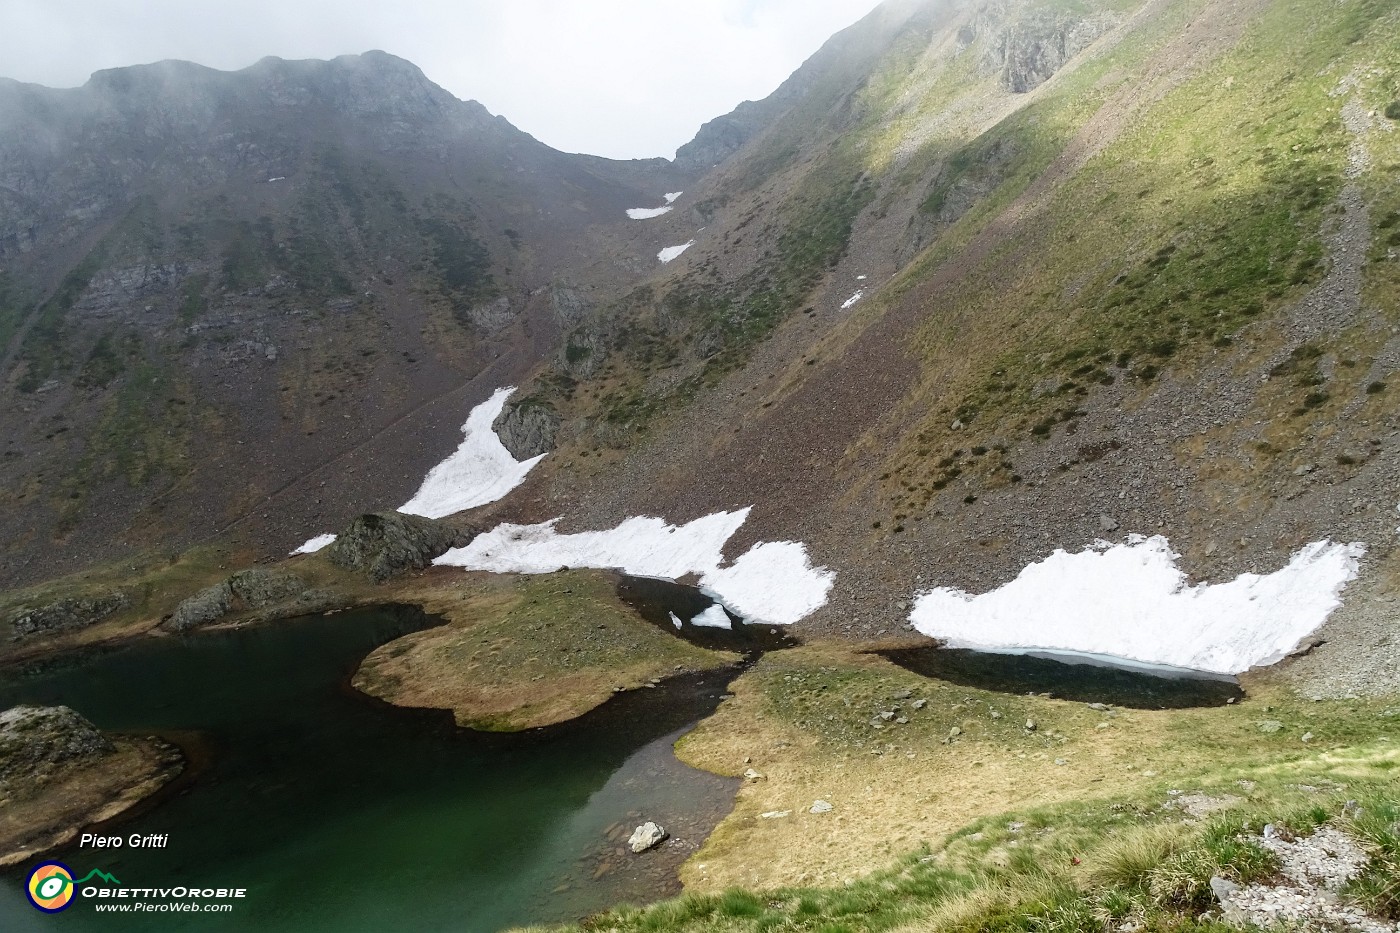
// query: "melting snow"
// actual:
[[642, 213], [772, 582], [671, 252], [1130, 601], [674, 619], [315, 544], [713, 617], [860, 278], [853, 299], [672, 195], [481, 470]]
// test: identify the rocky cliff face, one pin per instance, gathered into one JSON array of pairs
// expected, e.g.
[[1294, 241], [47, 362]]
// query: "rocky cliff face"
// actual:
[[215, 284]]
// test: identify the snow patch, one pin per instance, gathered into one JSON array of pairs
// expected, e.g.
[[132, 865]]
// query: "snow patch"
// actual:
[[675, 620], [315, 544], [671, 252], [481, 470], [853, 299], [1131, 601], [713, 617], [672, 195], [860, 278], [643, 213], [772, 582]]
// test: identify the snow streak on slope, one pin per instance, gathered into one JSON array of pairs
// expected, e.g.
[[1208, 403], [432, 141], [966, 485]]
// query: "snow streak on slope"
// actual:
[[643, 213], [850, 302], [672, 195], [481, 470], [772, 582], [315, 544], [671, 252], [1130, 601]]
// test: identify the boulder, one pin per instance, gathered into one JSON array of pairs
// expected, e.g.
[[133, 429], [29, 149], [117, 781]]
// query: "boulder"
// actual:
[[38, 742], [527, 429], [384, 544], [259, 588], [66, 615], [647, 836], [208, 605]]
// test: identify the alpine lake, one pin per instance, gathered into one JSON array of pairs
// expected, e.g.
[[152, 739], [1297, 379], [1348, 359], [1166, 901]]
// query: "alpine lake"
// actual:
[[335, 811]]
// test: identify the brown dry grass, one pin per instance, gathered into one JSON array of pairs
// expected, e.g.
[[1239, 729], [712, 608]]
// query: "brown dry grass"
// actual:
[[899, 788]]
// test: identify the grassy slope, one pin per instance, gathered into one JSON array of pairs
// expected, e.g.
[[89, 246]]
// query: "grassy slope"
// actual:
[[922, 837], [1198, 222], [521, 652]]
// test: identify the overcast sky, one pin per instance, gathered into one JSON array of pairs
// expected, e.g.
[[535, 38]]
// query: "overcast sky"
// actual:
[[620, 78]]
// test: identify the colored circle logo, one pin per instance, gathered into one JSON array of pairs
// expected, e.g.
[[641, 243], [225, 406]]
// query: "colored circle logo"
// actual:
[[50, 887]]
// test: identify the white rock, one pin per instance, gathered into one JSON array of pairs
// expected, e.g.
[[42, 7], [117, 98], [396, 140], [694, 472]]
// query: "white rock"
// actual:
[[647, 836]]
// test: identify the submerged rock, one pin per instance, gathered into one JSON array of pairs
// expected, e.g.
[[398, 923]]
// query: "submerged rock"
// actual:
[[647, 836], [384, 544], [38, 742], [66, 615]]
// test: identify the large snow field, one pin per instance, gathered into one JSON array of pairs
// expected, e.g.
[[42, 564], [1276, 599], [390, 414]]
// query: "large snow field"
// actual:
[[1130, 601], [772, 582]]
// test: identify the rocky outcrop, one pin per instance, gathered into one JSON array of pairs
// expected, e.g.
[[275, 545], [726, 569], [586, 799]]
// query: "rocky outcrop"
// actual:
[[257, 588], [208, 605], [492, 316], [39, 742], [384, 544], [527, 429], [1028, 52], [59, 774], [66, 615]]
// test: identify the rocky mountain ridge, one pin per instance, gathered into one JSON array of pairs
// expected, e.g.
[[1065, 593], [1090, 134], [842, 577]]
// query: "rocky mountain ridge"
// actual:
[[981, 280]]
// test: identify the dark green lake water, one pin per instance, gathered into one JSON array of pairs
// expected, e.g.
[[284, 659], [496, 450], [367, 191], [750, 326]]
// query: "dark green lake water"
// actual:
[[337, 812]]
